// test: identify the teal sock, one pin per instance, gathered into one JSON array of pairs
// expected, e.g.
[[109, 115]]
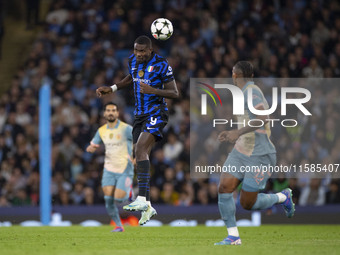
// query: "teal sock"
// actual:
[[227, 208], [112, 210], [265, 201]]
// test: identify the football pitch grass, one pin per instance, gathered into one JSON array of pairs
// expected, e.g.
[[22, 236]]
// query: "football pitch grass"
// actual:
[[267, 239]]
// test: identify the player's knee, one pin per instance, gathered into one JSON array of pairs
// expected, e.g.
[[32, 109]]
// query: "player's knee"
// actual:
[[222, 188], [246, 204], [140, 152], [121, 199]]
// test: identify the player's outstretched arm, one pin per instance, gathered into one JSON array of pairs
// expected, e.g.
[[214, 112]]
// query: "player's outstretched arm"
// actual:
[[169, 91], [91, 148], [248, 129], [232, 135], [104, 90], [229, 136]]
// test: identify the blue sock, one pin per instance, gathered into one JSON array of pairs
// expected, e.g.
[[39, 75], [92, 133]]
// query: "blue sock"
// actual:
[[112, 210], [265, 201], [227, 208], [143, 177]]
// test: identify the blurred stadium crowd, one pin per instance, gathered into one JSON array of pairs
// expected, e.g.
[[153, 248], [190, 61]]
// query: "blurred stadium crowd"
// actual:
[[85, 44]]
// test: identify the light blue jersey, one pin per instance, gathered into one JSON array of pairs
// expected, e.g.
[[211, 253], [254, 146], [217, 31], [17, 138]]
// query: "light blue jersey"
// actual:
[[118, 147], [258, 142]]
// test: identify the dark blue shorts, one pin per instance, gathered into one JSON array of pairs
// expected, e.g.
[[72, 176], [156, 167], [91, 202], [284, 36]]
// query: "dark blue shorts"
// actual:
[[153, 124]]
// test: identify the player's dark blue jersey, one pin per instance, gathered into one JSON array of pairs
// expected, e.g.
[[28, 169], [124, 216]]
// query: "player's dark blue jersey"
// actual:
[[154, 73]]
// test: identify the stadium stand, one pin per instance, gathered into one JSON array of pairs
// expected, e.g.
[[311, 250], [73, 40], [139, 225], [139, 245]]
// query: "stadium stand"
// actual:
[[85, 44]]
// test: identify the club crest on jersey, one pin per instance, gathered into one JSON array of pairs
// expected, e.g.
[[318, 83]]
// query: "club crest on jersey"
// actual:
[[150, 68], [140, 73]]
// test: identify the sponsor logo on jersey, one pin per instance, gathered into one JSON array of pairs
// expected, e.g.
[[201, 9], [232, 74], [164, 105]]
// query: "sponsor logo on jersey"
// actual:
[[142, 80]]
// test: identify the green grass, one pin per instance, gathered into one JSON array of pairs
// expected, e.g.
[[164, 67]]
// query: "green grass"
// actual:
[[268, 239]]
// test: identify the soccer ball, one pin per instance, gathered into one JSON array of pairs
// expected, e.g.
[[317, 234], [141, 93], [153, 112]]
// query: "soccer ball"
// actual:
[[161, 29]]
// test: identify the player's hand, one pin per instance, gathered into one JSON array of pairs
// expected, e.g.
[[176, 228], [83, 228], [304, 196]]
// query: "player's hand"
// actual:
[[91, 148], [101, 91], [222, 137], [146, 89], [229, 136], [233, 135]]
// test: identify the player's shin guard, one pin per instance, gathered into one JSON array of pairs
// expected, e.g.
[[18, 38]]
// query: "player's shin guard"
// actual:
[[227, 209], [112, 210], [143, 176], [265, 201]]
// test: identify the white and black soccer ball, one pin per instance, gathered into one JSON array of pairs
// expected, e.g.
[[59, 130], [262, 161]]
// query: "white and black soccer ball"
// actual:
[[161, 29]]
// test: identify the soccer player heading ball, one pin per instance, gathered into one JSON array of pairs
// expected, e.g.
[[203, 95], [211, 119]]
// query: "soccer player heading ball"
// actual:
[[252, 148], [152, 80]]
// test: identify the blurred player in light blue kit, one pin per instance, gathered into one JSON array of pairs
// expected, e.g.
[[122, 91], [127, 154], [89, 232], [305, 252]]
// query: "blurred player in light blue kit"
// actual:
[[118, 167], [252, 148]]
